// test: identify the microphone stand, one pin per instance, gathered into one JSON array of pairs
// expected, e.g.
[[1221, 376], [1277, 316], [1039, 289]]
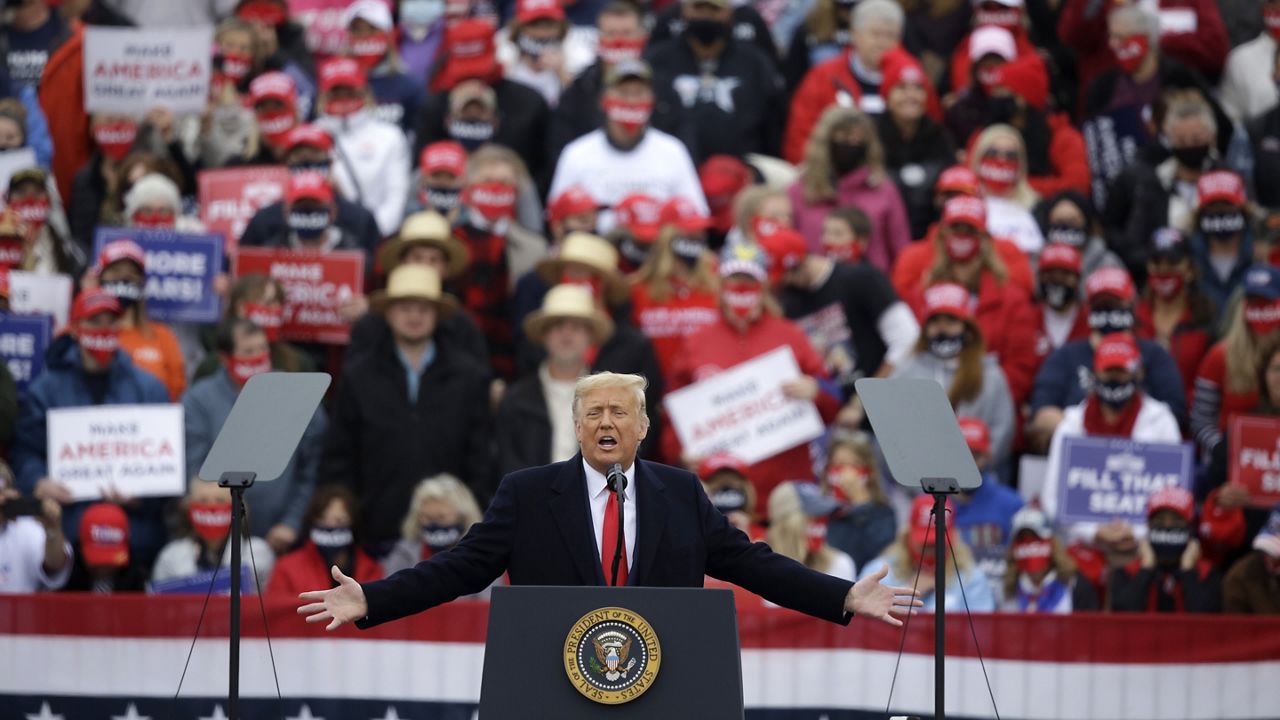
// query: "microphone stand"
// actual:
[[939, 488], [617, 482]]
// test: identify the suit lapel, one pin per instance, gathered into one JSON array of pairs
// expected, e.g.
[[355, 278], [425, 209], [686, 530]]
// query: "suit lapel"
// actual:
[[573, 516], [651, 501]]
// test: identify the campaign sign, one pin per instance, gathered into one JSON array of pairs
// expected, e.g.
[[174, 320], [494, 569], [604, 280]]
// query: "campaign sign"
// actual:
[[743, 411], [131, 70], [1107, 478], [198, 584], [315, 285], [23, 341], [137, 449], [322, 19], [39, 294], [230, 197], [180, 271], [1254, 450]]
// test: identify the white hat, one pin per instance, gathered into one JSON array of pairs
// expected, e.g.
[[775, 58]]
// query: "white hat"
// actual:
[[152, 189], [374, 12], [992, 40]]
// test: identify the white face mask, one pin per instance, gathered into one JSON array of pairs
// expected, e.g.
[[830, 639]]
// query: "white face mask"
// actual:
[[417, 16]]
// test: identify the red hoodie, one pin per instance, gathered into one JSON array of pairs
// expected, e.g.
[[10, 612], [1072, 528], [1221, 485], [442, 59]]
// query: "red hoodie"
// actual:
[[719, 347]]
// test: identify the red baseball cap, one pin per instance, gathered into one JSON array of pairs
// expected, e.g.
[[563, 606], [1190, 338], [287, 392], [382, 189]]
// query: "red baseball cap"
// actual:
[[958, 179], [1026, 78], [104, 535], [1111, 281], [468, 45], [574, 200], [309, 185], [786, 247], [684, 214], [269, 12], [444, 156], [1117, 351], [341, 72], [273, 85], [1220, 186], [722, 178], [122, 249], [529, 10], [91, 302], [716, 462], [311, 135], [976, 434], [905, 69], [965, 209], [1060, 256], [947, 299], [922, 519], [641, 214], [1172, 497]]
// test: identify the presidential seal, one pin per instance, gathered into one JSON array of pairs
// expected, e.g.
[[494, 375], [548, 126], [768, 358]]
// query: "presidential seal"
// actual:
[[612, 655]]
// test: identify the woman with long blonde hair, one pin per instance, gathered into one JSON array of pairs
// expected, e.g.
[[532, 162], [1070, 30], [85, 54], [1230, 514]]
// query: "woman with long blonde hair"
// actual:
[[440, 512], [798, 530], [844, 166], [864, 524], [999, 159]]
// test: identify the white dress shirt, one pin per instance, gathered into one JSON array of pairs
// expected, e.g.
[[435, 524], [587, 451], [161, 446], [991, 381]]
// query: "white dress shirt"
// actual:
[[598, 493]]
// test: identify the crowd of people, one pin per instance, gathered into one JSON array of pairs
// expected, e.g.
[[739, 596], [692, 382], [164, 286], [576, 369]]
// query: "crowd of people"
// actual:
[[1060, 210]]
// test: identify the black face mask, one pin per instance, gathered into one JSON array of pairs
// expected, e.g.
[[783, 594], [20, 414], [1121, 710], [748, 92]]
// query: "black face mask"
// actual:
[[729, 499], [1001, 109], [1222, 226], [1115, 394], [688, 250], [441, 537], [442, 200], [471, 134], [1168, 544], [946, 347], [309, 224], [126, 293], [1191, 157], [324, 168], [1067, 234], [332, 542], [1111, 321], [706, 31], [1058, 296], [847, 157], [633, 251]]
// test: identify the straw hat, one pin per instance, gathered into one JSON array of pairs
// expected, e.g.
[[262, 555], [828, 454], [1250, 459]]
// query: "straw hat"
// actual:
[[414, 282], [593, 251], [568, 301], [425, 228]]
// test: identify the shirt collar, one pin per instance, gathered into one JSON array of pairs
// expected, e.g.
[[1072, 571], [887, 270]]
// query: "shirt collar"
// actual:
[[427, 358], [597, 485]]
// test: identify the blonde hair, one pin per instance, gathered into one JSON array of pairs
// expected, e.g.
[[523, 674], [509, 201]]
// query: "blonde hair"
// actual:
[[859, 443], [447, 489], [942, 269], [817, 180], [1022, 192], [491, 154], [749, 201], [661, 264], [1242, 354], [609, 381], [788, 532]]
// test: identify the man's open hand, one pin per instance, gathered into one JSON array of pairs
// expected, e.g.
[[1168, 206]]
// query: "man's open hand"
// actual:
[[337, 606], [868, 598]]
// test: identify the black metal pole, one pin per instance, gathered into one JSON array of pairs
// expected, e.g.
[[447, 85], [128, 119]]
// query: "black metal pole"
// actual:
[[233, 684], [939, 609], [622, 524]]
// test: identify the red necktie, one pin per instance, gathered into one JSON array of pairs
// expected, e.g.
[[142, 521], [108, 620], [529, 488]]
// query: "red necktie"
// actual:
[[609, 543]]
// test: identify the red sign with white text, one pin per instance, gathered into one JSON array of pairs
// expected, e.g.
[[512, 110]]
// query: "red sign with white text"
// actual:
[[230, 197], [1254, 450], [315, 286]]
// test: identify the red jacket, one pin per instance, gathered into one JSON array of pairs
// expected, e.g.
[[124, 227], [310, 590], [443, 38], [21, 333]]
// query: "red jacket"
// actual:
[[1069, 158], [962, 66], [912, 264], [1214, 370], [667, 323], [1189, 344], [1008, 322], [305, 569], [719, 347], [62, 100]]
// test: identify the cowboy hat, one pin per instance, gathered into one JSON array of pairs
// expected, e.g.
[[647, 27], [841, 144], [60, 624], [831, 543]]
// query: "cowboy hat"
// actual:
[[568, 301], [414, 282], [425, 228], [594, 252]]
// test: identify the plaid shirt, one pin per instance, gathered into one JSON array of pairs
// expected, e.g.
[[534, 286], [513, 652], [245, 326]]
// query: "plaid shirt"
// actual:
[[483, 290]]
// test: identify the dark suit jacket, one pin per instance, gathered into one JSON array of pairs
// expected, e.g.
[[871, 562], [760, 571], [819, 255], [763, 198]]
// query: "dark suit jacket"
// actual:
[[538, 530]]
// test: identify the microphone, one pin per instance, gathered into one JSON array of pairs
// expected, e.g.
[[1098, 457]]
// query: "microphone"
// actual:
[[616, 480]]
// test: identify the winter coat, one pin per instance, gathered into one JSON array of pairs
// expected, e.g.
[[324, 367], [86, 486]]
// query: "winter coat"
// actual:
[[749, 28], [523, 426], [862, 531], [1264, 138], [523, 118], [1133, 588], [305, 569], [1246, 93], [876, 196], [911, 268], [1250, 588], [993, 405], [1218, 290], [915, 165], [458, 331], [268, 225], [371, 165]]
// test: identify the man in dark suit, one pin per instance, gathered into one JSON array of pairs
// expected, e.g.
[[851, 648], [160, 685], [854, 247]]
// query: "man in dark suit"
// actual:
[[552, 525]]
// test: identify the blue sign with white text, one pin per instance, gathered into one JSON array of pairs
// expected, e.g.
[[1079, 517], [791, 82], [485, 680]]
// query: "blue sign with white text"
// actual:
[[23, 341], [180, 271], [1108, 478]]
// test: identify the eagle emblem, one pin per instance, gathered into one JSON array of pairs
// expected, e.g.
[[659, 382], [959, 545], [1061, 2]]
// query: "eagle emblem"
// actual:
[[612, 651], [612, 655]]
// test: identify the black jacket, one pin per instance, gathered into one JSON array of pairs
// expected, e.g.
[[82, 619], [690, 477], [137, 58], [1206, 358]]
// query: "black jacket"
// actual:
[[1132, 589], [1264, 137], [1148, 201], [523, 426], [268, 226], [742, 112], [381, 446], [458, 331], [578, 112], [748, 27], [538, 530], [915, 166]]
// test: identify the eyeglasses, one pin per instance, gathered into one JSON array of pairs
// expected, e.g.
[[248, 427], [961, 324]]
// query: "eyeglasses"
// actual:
[[1001, 154]]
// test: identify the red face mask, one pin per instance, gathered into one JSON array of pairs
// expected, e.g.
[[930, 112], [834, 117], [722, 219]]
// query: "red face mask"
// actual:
[[100, 342], [1131, 52], [241, 369], [962, 247], [592, 283], [630, 116], [11, 251], [370, 49], [836, 474], [925, 559], [275, 125], [816, 535], [493, 200], [153, 219], [1007, 18], [115, 138], [741, 297], [845, 252], [34, 210], [1271, 19], [1263, 318], [619, 50], [211, 521], [1166, 285], [998, 175], [268, 317], [342, 107], [763, 227], [1032, 557], [236, 66]]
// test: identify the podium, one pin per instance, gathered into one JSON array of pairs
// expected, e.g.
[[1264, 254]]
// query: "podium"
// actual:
[[616, 652]]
